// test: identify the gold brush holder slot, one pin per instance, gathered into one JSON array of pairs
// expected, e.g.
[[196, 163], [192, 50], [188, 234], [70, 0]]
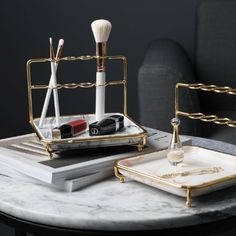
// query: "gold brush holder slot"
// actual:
[[130, 167], [200, 116], [49, 143]]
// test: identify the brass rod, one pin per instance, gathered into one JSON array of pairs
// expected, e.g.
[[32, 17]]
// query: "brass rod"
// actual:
[[30, 103], [176, 100], [198, 115], [188, 197], [209, 88], [79, 85]]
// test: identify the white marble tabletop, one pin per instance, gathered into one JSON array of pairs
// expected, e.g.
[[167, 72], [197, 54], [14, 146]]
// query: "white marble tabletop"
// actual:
[[110, 205]]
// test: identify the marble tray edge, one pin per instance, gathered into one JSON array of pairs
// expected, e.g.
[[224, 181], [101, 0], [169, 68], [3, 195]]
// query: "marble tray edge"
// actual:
[[53, 145], [121, 172]]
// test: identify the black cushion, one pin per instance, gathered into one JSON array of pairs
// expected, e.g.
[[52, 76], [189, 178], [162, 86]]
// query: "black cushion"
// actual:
[[164, 65]]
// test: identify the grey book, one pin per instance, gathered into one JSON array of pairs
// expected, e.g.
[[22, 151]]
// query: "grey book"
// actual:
[[75, 169]]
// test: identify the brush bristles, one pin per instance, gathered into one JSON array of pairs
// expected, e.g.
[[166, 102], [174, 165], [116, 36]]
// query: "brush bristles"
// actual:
[[61, 42], [101, 30]]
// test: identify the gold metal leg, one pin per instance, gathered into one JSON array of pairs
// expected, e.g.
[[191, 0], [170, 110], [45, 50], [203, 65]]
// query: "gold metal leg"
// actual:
[[49, 151], [188, 198], [119, 175], [140, 147]]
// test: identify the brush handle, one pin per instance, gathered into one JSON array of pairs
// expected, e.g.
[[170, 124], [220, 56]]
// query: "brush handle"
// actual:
[[55, 94], [100, 95], [47, 99]]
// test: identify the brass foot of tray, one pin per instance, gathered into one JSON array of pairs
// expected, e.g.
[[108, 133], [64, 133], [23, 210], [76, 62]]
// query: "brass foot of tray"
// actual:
[[188, 198], [140, 147], [49, 151], [119, 175], [142, 144]]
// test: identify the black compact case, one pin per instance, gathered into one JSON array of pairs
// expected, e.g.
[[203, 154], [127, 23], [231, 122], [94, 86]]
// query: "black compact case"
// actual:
[[108, 125]]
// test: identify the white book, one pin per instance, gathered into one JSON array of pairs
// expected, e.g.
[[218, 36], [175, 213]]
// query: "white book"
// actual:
[[84, 181], [73, 169]]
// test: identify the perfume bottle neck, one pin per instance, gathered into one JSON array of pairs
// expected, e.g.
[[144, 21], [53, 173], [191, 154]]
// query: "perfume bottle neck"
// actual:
[[175, 141]]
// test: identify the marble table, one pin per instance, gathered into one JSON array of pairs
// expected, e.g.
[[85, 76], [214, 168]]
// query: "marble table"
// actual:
[[113, 206]]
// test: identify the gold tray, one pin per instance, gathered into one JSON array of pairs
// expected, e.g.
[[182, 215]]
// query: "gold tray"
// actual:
[[132, 134], [202, 171]]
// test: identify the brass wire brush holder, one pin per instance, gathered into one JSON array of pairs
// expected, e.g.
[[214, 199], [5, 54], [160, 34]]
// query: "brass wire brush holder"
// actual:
[[139, 139], [200, 116]]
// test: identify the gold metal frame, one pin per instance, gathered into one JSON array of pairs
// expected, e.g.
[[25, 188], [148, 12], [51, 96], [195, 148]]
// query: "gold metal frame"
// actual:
[[84, 85], [199, 115], [195, 116]]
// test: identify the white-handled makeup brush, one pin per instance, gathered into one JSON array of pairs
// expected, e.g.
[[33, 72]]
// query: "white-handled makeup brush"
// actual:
[[54, 85], [101, 31], [49, 91]]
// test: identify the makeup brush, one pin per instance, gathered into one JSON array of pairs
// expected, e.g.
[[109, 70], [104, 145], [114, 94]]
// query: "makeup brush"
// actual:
[[49, 91], [54, 84], [101, 31]]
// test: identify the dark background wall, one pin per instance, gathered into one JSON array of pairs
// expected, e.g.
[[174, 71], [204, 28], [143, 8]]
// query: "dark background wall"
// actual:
[[25, 27]]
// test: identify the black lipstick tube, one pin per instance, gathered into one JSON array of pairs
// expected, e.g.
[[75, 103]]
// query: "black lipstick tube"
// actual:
[[108, 125]]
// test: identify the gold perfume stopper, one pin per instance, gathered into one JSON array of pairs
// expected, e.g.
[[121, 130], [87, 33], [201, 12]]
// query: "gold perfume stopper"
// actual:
[[175, 141]]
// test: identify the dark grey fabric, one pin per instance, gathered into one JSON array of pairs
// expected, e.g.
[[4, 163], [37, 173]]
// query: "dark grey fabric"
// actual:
[[220, 132], [216, 51], [216, 63], [165, 64]]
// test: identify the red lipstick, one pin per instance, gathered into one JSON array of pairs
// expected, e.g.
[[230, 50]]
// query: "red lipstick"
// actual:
[[70, 129]]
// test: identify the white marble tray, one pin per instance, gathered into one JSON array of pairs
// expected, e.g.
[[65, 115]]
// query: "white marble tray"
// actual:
[[132, 134], [202, 171]]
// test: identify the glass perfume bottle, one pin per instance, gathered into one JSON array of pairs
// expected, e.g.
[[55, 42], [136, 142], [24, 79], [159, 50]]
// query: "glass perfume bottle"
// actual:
[[175, 153]]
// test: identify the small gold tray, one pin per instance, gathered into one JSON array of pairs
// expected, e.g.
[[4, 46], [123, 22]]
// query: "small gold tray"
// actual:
[[202, 171]]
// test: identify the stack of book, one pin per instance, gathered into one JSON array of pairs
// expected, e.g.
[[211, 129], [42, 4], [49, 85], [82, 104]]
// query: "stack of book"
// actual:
[[72, 169]]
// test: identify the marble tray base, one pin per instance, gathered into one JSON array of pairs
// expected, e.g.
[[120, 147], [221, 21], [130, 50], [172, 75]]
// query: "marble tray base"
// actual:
[[203, 171]]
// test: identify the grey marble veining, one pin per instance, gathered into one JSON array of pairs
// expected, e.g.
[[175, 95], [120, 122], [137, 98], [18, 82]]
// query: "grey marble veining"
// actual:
[[110, 205], [130, 128]]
